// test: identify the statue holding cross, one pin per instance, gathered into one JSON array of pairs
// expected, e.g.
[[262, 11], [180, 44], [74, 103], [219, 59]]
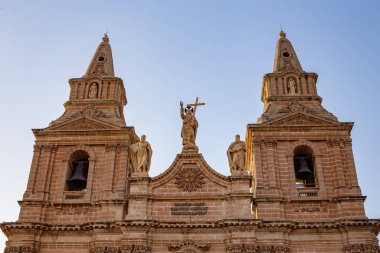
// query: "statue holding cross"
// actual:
[[190, 125]]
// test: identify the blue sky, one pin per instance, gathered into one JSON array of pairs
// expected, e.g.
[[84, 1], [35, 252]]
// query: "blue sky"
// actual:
[[172, 50]]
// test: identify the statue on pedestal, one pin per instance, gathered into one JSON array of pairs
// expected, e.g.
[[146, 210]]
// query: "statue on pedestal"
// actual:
[[190, 126], [236, 154], [141, 154]]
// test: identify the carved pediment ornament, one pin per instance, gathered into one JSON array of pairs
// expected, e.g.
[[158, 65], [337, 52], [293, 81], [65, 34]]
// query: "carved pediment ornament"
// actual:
[[90, 111], [189, 179], [189, 247], [294, 106]]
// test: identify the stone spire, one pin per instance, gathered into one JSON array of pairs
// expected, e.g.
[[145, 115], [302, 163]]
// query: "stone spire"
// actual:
[[98, 94], [102, 62], [290, 89], [285, 57]]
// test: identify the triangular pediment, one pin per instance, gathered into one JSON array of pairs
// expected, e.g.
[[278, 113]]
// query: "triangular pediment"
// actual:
[[82, 124], [192, 167], [300, 119]]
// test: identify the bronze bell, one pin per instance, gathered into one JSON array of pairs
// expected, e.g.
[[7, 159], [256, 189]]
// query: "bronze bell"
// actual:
[[78, 180], [303, 172]]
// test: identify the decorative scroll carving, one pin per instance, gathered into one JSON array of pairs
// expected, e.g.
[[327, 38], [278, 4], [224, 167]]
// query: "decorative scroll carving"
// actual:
[[294, 106], [189, 179], [91, 112], [188, 246], [252, 248], [361, 248]]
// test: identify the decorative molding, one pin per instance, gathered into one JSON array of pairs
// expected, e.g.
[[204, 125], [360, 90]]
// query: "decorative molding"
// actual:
[[189, 179], [104, 249], [71, 210], [135, 249], [85, 148], [361, 248], [21, 249], [110, 147], [37, 148], [50, 148], [252, 248], [82, 126]]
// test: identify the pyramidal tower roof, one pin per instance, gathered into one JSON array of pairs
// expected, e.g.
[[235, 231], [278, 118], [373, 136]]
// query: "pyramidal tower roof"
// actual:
[[102, 62], [285, 58]]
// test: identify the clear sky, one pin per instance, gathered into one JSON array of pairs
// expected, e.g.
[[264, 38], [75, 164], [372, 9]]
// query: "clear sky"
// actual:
[[172, 50]]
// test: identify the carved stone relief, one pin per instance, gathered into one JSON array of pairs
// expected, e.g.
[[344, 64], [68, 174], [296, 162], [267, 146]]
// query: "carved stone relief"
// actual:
[[189, 247], [294, 106], [361, 248], [135, 249], [22, 249], [253, 248], [104, 250], [189, 179]]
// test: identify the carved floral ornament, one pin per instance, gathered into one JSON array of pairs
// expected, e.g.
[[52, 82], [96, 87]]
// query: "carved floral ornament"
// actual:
[[189, 179]]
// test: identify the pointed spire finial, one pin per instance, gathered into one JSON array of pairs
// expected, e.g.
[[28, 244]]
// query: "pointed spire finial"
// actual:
[[285, 57], [105, 38], [102, 62]]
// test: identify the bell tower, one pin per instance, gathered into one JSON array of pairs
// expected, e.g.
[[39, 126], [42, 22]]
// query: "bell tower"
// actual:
[[300, 154], [80, 163]]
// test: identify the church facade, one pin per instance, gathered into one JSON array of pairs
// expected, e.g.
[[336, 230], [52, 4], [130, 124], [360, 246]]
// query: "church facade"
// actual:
[[292, 188]]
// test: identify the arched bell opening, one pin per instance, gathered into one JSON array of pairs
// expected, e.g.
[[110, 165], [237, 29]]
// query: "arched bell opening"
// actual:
[[303, 160], [78, 171]]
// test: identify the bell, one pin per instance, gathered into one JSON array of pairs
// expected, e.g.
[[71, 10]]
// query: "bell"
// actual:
[[303, 172], [78, 180]]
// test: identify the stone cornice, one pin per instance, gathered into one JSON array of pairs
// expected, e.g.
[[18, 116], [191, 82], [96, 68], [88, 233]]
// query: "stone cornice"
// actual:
[[246, 224]]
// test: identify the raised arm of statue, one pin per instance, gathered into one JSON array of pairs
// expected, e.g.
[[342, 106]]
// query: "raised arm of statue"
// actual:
[[182, 110]]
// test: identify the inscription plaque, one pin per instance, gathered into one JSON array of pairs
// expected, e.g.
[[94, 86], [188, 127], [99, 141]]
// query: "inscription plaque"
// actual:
[[186, 208]]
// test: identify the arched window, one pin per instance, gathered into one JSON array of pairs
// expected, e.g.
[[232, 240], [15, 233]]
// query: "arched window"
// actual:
[[303, 160], [78, 171]]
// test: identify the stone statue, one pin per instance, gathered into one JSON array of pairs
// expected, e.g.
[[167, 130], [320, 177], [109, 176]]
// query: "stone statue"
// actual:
[[292, 86], [189, 127], [236, 156], [141, 154], [93, 92]]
